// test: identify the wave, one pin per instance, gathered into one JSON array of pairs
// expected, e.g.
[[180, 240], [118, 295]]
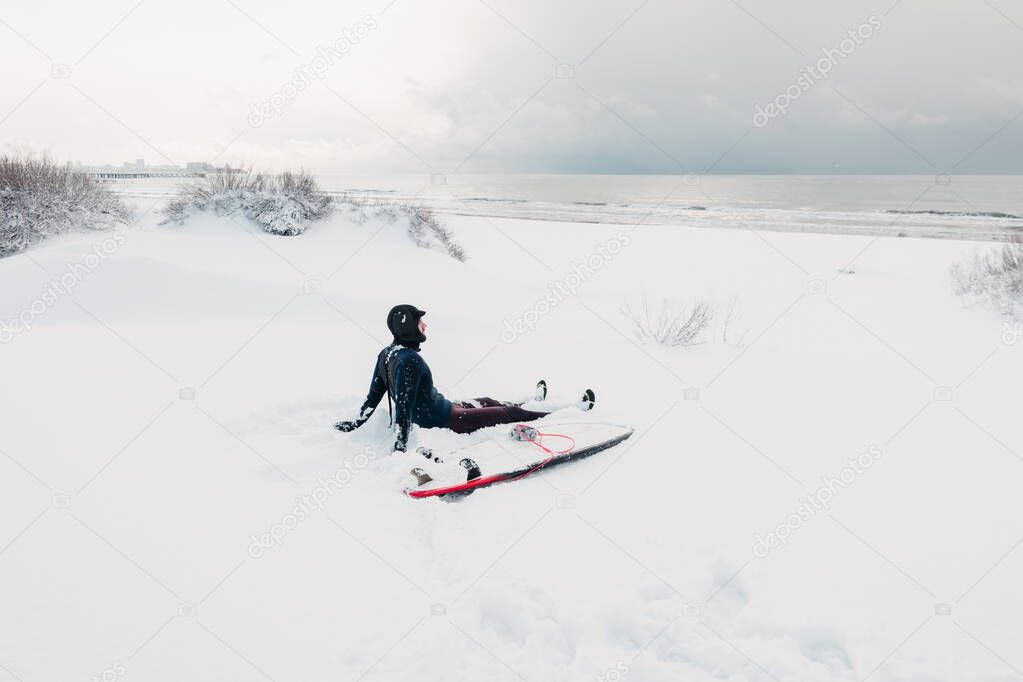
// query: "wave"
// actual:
[[959, 214], [494, 200]]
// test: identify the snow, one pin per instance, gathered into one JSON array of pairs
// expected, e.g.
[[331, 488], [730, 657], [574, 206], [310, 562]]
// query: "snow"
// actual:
[[177, 407]]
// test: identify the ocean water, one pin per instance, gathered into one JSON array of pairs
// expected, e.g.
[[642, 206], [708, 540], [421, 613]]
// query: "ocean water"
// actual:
[[964, 207]]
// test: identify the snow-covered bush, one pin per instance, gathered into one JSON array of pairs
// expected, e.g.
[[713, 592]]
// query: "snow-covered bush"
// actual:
[[674, 323], [994, 276], [282, 204], [424, 228], [286, 203], [426, 231], [38, 198]]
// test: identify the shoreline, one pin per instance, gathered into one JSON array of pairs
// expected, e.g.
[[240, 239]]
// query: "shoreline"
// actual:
[[947, 233], [966, 208], [893, 230]]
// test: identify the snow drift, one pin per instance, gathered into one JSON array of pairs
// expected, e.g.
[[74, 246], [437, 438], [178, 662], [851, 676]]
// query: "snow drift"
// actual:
[[179, 408]]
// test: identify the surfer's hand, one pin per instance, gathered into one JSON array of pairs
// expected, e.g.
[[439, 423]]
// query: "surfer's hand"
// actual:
[[346, 426]]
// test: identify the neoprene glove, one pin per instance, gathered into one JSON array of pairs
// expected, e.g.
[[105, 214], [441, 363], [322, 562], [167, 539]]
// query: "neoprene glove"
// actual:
[[347, 426]]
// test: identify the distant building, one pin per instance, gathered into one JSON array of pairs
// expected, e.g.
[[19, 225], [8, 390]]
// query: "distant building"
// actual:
[[133, 170]]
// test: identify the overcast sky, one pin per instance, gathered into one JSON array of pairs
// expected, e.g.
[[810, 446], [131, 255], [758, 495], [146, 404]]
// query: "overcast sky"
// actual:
[[663, 86]]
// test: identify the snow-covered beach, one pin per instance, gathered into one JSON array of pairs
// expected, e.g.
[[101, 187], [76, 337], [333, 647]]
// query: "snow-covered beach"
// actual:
[[826, 489], [766, 258]]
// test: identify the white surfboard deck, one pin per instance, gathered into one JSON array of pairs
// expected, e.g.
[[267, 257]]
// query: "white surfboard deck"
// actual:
[[503, 459]]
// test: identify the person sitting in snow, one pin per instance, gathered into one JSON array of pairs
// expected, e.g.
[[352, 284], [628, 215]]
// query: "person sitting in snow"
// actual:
[[402, 374]]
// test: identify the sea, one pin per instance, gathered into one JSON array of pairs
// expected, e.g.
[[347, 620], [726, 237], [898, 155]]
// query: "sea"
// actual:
[[947, 206]]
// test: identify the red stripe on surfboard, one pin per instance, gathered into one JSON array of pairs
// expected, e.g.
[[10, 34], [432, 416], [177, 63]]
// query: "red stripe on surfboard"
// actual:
[[474, 483], [514, 475]]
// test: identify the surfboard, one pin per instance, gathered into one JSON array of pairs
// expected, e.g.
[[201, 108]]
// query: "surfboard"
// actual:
[[505, 459]]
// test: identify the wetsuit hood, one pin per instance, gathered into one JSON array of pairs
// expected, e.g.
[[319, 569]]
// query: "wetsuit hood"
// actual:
[[403, 321]]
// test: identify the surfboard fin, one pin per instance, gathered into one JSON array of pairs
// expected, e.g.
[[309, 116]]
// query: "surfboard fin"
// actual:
[[421, 476]]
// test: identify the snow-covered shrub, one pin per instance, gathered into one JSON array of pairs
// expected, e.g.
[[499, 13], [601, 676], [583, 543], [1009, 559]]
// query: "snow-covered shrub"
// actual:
[[38, 198], [424, 227], [994, 276], [282, 204], [351, 200], [426, 231], [674, 323]]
